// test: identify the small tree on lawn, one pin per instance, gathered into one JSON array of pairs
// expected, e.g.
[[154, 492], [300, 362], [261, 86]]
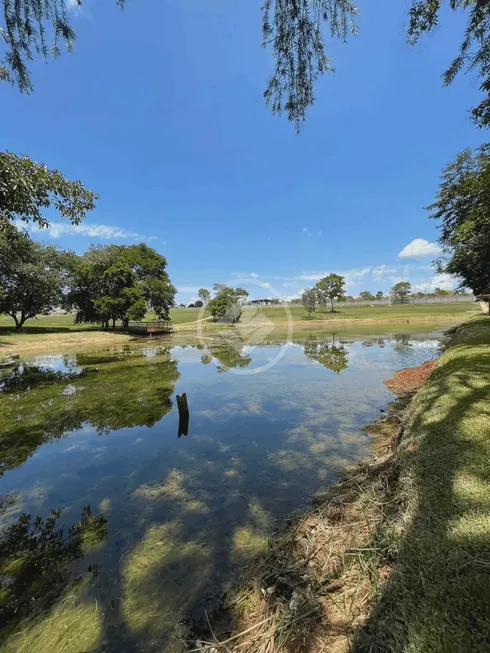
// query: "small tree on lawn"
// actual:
[[401, 290], [309, 298], [227, 303], [332, 286], [379, 295]]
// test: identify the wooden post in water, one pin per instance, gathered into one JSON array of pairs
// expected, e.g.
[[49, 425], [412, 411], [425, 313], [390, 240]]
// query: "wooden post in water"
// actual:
[[183, 407]]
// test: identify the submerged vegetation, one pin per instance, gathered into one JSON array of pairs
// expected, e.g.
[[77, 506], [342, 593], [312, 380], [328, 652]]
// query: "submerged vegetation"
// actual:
[[110, 392], [36, 559]]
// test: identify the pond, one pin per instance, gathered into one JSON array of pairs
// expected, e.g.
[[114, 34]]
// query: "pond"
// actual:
[[150, 522]]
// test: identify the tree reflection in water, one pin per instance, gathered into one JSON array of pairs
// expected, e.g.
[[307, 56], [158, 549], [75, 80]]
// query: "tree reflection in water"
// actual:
[[110, 392], [401, 343], [329, 354], [36, 559], [228, 356]]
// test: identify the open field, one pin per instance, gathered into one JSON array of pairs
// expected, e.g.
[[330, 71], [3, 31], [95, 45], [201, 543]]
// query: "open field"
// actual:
[[60, 333], [383, 312], [396, 557]]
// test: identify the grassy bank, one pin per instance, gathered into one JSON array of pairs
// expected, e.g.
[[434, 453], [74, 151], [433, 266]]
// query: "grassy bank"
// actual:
[[396, 557]]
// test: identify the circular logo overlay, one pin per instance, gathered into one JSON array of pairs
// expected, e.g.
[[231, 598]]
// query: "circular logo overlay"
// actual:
[[230, 339]]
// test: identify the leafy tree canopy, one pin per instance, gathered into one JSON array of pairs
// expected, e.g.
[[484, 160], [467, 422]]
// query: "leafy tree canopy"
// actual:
[[32, 276], [379, 295], [332, 287], [27, 187], [463, 208], [401, 289], [227, 303], [204, 295], [293, 28], [308, 299], [120, 282]]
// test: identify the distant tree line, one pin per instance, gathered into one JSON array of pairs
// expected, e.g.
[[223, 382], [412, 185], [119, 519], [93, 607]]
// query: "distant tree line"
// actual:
[[105, 285]]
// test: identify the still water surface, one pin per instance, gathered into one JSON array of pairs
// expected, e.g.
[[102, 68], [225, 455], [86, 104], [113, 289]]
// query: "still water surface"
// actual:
[[101, 429]]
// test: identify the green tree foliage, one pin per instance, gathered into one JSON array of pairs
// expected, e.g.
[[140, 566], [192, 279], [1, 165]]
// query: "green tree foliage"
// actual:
[[367, 296], [227, 304], [379, 295], [474, 51], [321, 297], [32, 27], [204, 295], [332, 286], [120, 283], [32, 276], [27, 187], [308, 299], [401, 290], [463, 208], [293, 28]]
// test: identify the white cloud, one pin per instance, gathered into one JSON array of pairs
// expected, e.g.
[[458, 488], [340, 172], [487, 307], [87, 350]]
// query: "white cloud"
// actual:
[[304, 230], [442, 280], [382, 271], [420, 248], [253, 275], [86, 230], [264, 284], [350, 275]]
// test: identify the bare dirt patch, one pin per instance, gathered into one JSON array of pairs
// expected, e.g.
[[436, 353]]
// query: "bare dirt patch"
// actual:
[[410, 379]]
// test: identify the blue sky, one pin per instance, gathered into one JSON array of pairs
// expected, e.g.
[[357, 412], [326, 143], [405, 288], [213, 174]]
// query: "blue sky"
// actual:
[[159, 109]]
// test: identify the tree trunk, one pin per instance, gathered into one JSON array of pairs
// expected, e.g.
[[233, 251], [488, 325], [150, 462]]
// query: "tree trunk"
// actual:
[[331, 303], [14, 316], [113, 323]]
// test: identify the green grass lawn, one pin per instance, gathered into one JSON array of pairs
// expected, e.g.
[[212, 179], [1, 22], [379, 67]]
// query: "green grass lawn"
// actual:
[[354, 312], [438, 596], [62, 322]]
